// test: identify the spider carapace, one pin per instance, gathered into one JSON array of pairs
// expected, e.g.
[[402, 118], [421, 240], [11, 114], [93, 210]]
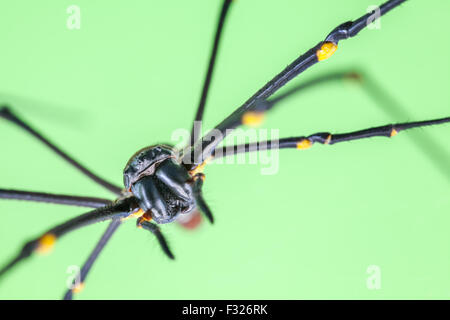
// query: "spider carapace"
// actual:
[[162, 185]]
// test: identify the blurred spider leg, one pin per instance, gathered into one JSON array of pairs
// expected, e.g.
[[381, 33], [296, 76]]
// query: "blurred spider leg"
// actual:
[[195, 132], [90, 202], [323, 50], [45, 243], [303, 142], [143, 222], [7, 114], [436, 153], [255, 114], [77, 287], [382, 99]]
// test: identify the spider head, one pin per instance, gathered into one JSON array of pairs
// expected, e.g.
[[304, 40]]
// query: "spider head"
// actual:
[[161, 184]]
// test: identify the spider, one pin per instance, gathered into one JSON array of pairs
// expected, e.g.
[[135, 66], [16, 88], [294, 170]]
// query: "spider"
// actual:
[[178, 178]]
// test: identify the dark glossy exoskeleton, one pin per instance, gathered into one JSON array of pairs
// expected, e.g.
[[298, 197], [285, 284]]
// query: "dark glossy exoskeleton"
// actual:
[[163, 187]]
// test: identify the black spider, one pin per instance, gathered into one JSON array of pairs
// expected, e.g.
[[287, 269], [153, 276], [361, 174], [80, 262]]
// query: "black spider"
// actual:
[[163, 184]]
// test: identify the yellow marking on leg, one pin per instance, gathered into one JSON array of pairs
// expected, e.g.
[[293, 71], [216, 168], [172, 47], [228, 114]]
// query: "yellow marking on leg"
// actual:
[[304, 144], [78, 287], [136, 214], [393, 133], [252, 118], [326, 50], [354, 76], [46, 243], [327, 141], [200, 167], [145, 217]]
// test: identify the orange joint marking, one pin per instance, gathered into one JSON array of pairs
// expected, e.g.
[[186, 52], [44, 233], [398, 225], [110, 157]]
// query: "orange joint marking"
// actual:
[[46, 243], [304, 144], [252, 118], [354, 76], [145, 217], [393, 133], [326, 50], [200, 167], [78, 287], [136, 214], [327, 141]]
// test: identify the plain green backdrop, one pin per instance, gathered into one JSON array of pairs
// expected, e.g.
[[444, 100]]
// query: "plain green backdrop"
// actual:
[[132, 75]]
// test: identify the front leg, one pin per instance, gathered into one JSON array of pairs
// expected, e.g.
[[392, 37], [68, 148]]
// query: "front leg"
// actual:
[[143, 222]]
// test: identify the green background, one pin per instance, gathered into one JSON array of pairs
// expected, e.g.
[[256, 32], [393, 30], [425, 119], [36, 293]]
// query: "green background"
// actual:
[[132, 74]]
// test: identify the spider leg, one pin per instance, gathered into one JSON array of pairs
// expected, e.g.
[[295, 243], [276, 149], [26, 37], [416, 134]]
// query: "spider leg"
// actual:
[[201, 203], [323, 50], [7, 114], [304, 142], [90, 202], [92, 258], [268, 104], [44, 243], [195, 132], [153, 228], [391, 107], [374, 91], [255, 115]]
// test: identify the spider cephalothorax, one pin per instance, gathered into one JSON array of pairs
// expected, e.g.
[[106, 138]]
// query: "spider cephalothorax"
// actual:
[[163, 187]]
